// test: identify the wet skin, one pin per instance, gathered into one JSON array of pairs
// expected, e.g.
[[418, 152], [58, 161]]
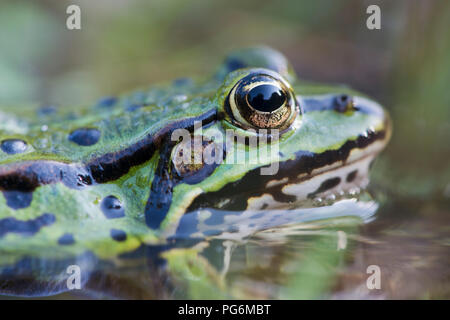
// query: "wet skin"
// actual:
[[102, 178]]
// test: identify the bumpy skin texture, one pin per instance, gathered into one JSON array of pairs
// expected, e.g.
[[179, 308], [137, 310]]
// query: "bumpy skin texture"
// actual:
[[53, 191]]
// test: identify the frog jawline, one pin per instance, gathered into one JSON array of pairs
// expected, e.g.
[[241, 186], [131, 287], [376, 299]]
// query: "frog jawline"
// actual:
[[306, 164], [337, 182]]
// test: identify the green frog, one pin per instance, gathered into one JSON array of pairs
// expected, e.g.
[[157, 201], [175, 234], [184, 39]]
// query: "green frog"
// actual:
[[176, 161]]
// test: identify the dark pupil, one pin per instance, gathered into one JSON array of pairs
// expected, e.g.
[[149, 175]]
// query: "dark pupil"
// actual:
[[266, 98]]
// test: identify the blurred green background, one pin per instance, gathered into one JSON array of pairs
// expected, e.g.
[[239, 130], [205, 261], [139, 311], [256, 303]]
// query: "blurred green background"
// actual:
[[127, 44]]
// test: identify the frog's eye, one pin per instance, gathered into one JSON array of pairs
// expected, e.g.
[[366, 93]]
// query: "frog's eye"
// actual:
[[261, 100]]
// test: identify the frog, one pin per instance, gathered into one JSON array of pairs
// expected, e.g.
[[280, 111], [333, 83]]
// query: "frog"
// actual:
[[100, 181]]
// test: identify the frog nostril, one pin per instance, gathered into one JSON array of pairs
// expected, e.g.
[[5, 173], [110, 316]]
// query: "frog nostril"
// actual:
[[343, 103]]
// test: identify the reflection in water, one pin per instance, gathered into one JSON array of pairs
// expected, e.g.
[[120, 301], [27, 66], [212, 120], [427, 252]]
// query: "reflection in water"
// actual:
[[202, 256], [320, 252]]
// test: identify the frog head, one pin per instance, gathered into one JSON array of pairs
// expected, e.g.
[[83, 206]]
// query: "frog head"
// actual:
[[109, 177], [288, 142]]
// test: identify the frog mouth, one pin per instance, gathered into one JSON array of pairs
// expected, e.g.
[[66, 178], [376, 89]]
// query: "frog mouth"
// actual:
[[332, 174], [322, 185], [316, 174]]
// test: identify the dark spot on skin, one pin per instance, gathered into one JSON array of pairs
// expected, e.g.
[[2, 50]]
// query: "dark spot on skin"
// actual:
[[66, 239], [180, 82], [106, 102], [46, 110], [112, 208], [118, 235], [13, 146], [27, 227], [133, 107], [18, 199], [352, 175], [160, 198], [326, 185], [85, 136]]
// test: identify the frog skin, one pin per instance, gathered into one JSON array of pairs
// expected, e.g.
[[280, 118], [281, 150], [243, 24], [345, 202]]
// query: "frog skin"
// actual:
[[101, 179]]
